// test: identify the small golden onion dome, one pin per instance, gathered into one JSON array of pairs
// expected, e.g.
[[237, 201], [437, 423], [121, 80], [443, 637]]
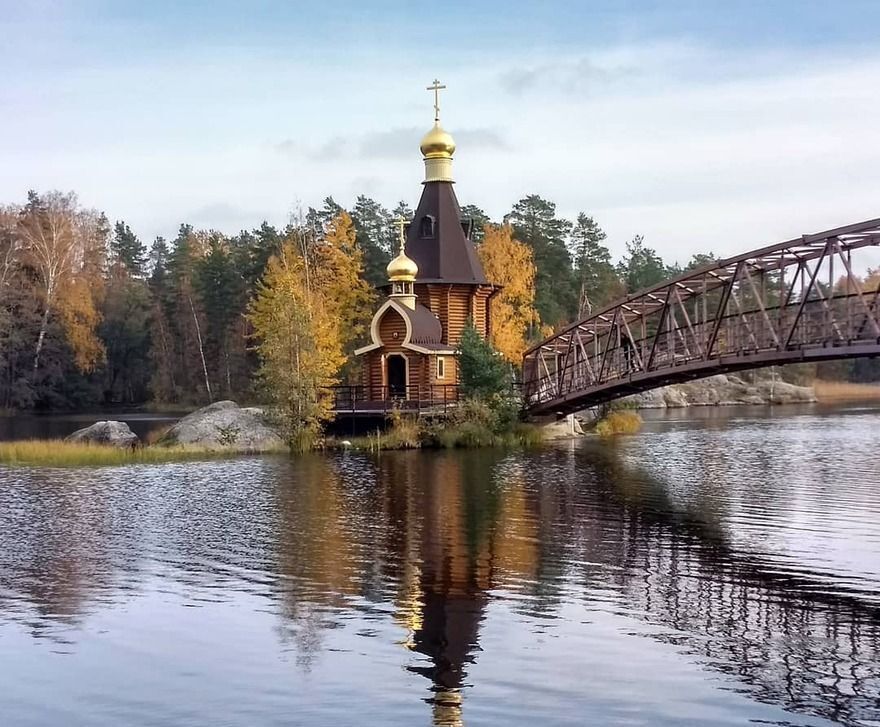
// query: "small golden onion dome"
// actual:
[[402, 268], [437, 143]]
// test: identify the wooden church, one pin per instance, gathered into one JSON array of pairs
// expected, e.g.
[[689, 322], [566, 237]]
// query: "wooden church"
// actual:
[[435, 286]]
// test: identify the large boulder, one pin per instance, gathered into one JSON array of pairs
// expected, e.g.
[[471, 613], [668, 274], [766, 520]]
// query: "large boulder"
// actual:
[[224, 425], [781, 392], [568, 427], [673, 397], [115, 434], [650, 399], [723, 390]]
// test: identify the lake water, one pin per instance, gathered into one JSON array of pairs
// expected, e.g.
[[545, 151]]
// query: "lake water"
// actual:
[[58, 426], [720, 568]]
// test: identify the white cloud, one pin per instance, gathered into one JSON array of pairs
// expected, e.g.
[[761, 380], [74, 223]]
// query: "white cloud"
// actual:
[[393, 143], [695, 150]]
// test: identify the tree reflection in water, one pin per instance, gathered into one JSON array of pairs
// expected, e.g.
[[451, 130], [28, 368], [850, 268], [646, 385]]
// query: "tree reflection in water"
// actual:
[[471, 523], [431, 546]]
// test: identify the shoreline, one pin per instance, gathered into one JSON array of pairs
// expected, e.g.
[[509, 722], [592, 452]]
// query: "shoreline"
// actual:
[[61, 453], [404, 435]]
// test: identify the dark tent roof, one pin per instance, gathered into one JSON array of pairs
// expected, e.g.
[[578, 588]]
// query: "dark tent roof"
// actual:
[[437, 242]]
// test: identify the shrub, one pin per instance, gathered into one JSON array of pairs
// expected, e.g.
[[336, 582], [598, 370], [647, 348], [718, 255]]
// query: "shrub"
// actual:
[[623, 421], [405, 432], [527, 435], [483, 371]]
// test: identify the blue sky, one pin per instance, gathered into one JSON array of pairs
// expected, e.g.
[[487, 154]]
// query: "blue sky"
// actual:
[[702, 125]]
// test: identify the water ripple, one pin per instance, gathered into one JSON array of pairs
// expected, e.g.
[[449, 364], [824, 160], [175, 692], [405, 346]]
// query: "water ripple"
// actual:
[[703, 572]]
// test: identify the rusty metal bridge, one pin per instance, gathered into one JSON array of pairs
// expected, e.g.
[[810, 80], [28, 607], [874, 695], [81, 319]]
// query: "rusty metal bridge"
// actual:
[[797, 301]]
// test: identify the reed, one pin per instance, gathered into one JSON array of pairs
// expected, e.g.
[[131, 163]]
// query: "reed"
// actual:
[[621, 421], [55, 453], [845, 391], [446, 435]]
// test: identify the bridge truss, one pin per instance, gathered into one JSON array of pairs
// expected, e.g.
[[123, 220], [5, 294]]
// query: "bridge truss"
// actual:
[[800, 300]]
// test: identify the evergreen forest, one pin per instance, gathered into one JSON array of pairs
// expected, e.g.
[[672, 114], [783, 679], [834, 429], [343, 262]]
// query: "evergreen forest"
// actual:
[[91, 315]]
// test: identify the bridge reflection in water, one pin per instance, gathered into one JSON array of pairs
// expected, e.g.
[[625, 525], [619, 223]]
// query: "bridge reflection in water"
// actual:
[[462, 532], [443, 544]]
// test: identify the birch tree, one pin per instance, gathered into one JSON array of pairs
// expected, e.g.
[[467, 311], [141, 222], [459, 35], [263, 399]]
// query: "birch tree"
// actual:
[[298, 342], [63, 245]]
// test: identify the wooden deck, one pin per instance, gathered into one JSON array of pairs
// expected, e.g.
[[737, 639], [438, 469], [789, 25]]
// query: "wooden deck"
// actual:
[[369, 401]]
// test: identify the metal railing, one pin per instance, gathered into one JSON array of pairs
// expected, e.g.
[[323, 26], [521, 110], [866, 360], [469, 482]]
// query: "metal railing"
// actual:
[[800, 300]]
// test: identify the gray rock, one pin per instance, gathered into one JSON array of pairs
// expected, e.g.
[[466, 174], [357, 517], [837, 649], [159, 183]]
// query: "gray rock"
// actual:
[[568, 427], [651, 399], [225, 425], [723, 390], [116, 434], [781, 392], [673, 398]]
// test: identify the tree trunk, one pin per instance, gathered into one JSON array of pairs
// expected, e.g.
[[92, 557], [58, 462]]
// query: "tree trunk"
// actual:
[[44, 324], [167, 354], [228, 373], [201, 349]]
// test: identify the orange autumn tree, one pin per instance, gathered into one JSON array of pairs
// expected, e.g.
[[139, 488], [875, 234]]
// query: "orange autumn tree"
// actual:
[[509, 263], [338, 265]]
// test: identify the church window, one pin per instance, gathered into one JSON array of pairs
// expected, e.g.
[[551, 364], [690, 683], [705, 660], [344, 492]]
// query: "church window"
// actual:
[[426, 226], [441, 367]]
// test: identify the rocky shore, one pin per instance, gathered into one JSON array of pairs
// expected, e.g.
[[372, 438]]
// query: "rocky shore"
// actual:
[[224, 425], [723, 390]]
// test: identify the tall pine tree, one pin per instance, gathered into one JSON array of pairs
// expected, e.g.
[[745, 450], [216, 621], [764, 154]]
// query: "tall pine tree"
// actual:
[[599, 284], [127, 250], [535, 223], [641, 267], [375, 233]]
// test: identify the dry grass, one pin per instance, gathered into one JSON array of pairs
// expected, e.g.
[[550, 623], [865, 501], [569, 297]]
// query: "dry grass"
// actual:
[[845, 391], [54, 453], [409, 433], [621, 421]]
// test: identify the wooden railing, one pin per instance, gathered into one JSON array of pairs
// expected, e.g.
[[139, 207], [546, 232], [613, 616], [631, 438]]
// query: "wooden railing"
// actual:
[[359, 399]]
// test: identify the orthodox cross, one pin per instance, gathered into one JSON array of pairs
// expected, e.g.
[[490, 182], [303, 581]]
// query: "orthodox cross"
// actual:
[[436, 87], [401, 223]]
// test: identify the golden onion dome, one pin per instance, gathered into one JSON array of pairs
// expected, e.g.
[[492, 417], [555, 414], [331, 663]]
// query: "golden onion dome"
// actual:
[[437, 143], [402, 268]]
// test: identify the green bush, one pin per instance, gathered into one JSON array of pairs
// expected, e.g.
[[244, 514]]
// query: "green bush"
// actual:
[[483, 372]]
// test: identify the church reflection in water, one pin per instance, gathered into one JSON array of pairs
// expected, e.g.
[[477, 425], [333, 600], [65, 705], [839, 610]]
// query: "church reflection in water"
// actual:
[[425, 532], [448, 539], [454, 528], [443, 540]]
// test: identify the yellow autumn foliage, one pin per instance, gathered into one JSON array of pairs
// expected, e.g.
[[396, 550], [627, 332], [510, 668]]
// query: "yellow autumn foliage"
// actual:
[[621, 421], [78, 311], [299, 344], [509, 263], [338, 270]]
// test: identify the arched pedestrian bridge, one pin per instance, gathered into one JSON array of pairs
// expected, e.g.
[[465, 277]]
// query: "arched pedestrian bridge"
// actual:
[[796, 301]]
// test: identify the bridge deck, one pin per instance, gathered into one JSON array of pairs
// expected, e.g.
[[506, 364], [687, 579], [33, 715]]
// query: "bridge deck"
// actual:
[[798, 301]]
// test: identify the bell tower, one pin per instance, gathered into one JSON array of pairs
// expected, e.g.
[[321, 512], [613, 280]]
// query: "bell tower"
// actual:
[[402, 272]]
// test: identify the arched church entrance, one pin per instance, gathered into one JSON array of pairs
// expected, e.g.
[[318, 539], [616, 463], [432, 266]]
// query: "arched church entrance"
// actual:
[[396, 375]]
